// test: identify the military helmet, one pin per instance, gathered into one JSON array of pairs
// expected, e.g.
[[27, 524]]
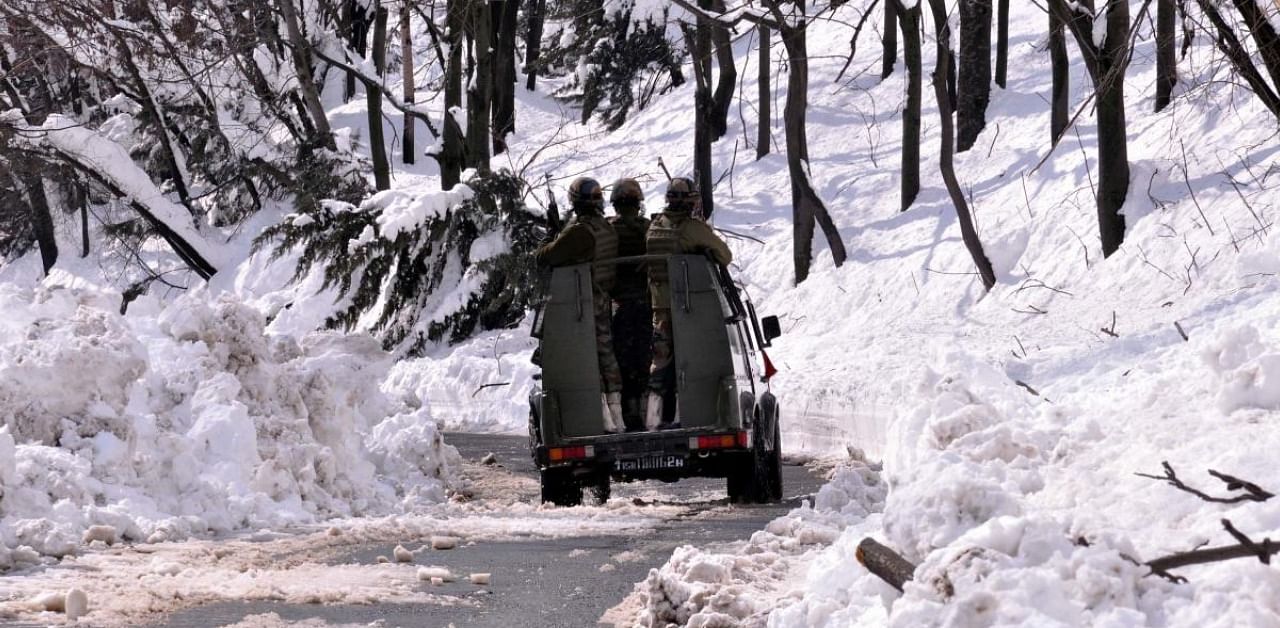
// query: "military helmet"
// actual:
[[626, 192], [683, 194], [585, 193]]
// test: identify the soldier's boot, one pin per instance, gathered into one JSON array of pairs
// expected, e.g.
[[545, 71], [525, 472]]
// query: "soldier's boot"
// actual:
[[613, 413]]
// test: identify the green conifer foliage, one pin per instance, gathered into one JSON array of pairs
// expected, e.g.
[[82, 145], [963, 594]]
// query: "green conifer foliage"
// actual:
[[466, 269]]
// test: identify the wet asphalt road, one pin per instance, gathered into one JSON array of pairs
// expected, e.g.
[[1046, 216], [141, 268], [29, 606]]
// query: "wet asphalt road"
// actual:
[[536, 583]]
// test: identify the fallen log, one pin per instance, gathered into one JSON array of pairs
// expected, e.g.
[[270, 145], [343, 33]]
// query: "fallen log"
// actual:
[[885, 563]]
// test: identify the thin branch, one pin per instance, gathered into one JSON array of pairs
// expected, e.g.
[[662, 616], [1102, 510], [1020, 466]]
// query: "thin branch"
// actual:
[[1252, 492]]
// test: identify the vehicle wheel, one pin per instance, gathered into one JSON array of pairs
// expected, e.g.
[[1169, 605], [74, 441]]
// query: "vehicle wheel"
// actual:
[[758, 479], [559, 488], [738, 485], [775, 464], [601, 490]]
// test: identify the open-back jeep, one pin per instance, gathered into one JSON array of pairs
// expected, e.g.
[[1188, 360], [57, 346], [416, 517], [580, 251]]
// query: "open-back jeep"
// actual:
[[727, 426]]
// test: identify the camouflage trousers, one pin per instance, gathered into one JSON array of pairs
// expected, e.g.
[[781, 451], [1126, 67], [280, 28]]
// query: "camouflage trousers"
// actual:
[[633, 346], [610, 372], [662, 370]]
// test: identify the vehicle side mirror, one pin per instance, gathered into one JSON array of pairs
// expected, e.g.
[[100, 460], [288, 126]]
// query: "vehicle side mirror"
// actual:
[[772, 329]]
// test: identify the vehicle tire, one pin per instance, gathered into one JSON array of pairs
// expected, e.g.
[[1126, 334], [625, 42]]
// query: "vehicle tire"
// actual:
[[738, 484], [775, 464], [601, 490], [560, 488]]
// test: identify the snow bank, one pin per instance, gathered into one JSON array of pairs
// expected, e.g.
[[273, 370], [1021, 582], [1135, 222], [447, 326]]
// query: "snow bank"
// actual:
[[188, 420]]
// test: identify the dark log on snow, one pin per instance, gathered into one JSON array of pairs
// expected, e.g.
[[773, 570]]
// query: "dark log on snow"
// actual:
[[885, 563]]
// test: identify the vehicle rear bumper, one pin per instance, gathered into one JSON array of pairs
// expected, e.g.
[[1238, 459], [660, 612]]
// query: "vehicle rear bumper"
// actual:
[[663, 455]]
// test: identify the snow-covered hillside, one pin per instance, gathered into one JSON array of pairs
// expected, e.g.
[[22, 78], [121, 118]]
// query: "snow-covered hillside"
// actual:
[[992, 438]]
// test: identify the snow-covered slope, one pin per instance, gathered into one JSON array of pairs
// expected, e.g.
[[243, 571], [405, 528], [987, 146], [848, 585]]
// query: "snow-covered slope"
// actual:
[[1009, 424]]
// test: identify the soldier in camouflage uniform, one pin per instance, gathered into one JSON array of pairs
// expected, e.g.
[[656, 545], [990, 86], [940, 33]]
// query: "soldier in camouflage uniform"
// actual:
[[675, 231], [632, 315], [589, 238]]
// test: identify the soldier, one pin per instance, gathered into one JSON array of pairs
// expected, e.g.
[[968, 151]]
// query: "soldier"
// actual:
[[675, 231], [632, 316], [589, 238]]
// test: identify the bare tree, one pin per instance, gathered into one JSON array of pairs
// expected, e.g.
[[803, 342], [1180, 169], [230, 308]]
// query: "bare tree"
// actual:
[[504, 15], [535, 12], [722, 98], [300, 50], [791, 21], [967, 231], [1166, 58], [406, 73], [1061, 70], [480, 87], [911, 51], [889, 39], [452, 155], [1002, 43], [377, 143], [1106, 58], [974, 81], [764, 89]]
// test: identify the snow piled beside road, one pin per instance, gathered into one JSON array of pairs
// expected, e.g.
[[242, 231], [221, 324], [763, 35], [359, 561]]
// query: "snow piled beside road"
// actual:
[[189, 420]]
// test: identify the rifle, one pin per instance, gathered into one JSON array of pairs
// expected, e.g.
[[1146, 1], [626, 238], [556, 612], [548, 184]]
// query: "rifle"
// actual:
[[554, 224]]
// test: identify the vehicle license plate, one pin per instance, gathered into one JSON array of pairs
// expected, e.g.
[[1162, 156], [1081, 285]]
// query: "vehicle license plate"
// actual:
[[649, 463]]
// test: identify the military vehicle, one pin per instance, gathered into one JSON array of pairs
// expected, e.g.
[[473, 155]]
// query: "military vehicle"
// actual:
[[727, 417]]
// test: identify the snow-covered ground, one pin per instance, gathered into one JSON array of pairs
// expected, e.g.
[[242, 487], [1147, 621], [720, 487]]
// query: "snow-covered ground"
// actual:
[[1007, 427]]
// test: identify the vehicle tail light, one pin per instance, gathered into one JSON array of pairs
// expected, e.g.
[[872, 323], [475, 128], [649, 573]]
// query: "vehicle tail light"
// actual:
[[720, 441], [559, 454]]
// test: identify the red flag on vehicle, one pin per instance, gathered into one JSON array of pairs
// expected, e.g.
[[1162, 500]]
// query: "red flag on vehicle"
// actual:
[[769, 369]]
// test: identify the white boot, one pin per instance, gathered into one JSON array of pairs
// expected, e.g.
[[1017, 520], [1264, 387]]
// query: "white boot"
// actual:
[[653, 413], [613, 415]]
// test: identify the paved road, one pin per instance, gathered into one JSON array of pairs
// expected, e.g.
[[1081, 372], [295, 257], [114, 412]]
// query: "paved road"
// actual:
[[537, 583]]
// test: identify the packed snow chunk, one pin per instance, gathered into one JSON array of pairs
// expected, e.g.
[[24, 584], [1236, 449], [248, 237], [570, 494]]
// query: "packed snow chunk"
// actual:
[[443, 542], [99, 533], [402, 555], [50, 601], [1034, 571], [79, 362], [76, 604], [854, 491], [1248, 368], [481, 579], [429, 573], [410, 446]]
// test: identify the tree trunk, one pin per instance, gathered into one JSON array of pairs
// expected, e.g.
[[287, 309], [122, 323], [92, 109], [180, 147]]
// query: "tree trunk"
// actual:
[[806, 207], [889, 39], [1240, 59], [536, 10], [356, 23], [406, 71], [1166, 58], [910, 19], [699, 43], [764, 84], [975, 71], [1106, 67], [1264, 35], [723, 96], [377, 143], [301, 54], [504, 69], [1113, 143], [452, 154], [83, 202], [947, 132], [41, 218], [1002, 43], [1061, 69], [480, 91]]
